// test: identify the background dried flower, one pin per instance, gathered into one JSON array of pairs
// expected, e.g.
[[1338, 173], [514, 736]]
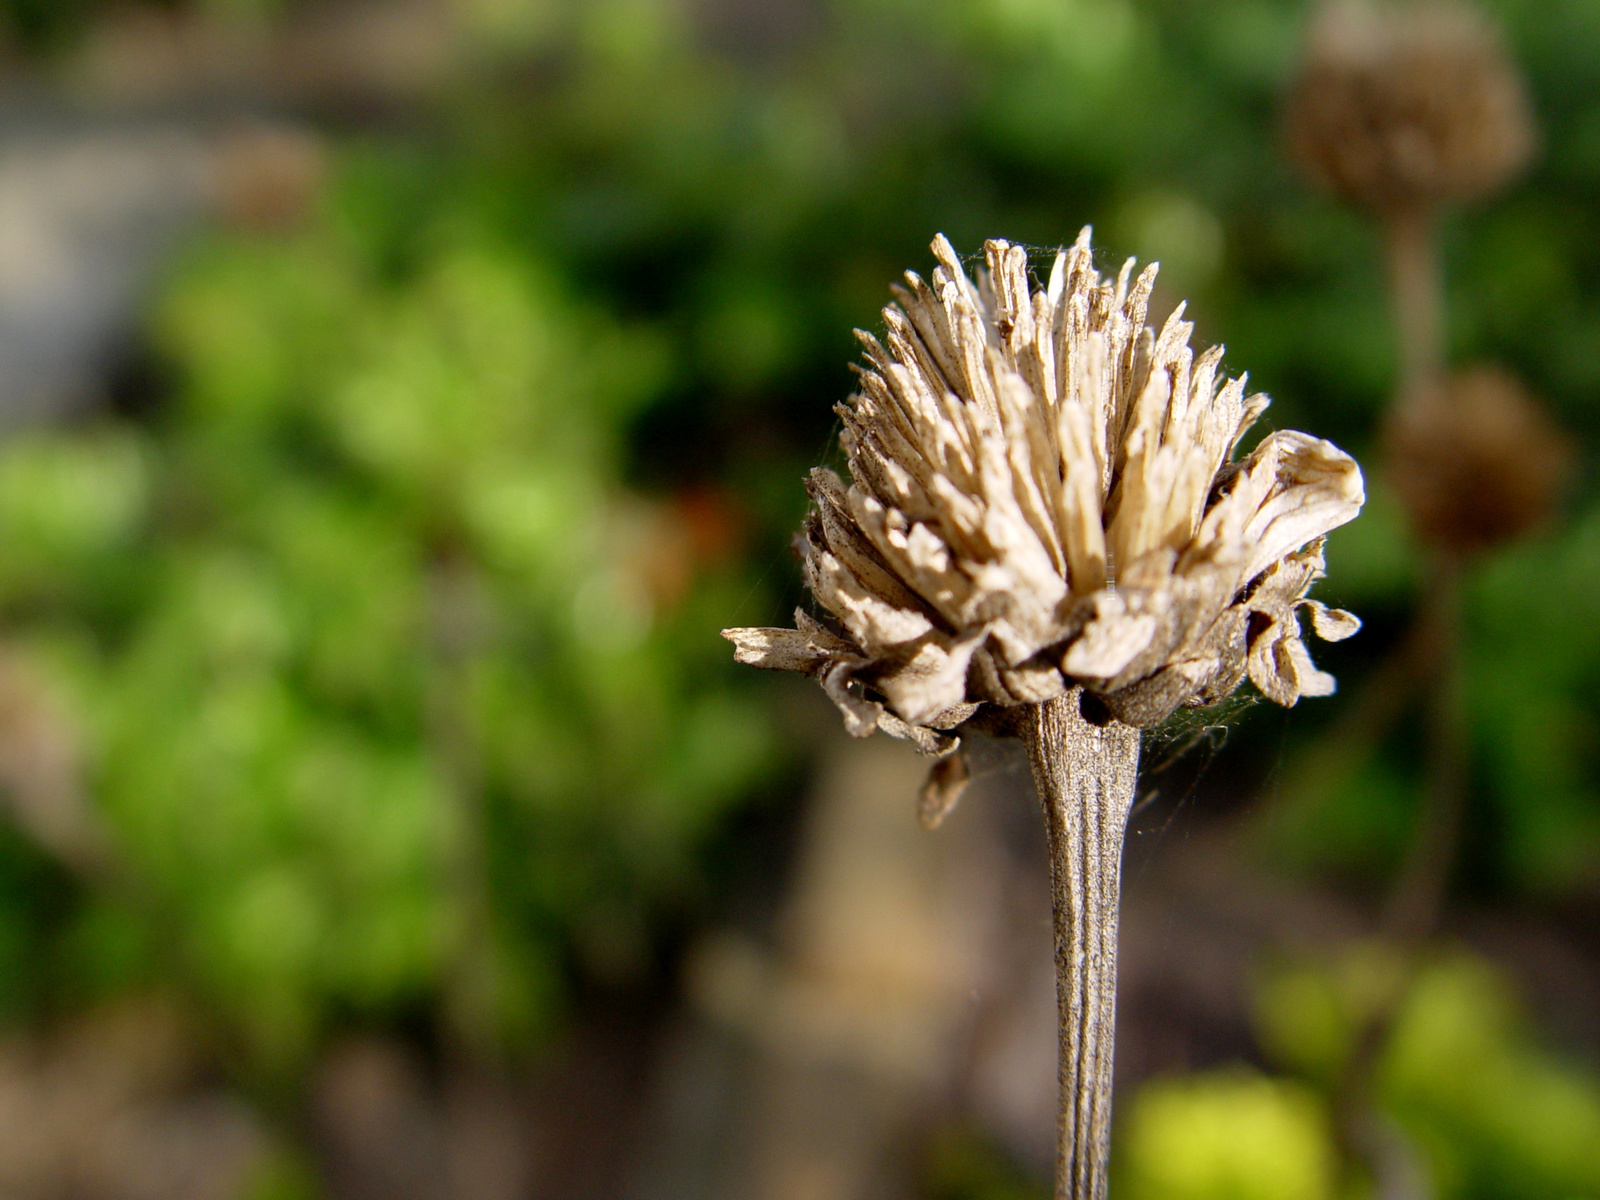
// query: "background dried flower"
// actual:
[[1043, 496], [1476, 460], [1406, 104]]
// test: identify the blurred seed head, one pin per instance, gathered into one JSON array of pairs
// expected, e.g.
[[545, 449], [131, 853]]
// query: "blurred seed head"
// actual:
[[1476, 460], [1401, 104], [1043, 495]]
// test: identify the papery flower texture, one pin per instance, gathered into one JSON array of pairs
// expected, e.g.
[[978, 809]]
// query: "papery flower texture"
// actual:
[[1043, 495]]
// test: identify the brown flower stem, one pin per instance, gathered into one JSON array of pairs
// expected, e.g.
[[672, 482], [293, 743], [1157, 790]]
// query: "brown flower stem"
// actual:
[[1414, 284], [1085, 771], [1417, 902]]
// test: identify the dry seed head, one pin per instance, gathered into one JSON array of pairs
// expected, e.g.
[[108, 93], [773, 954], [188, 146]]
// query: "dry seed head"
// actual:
[[1405, 103], [1476, 461], [1042, 495]]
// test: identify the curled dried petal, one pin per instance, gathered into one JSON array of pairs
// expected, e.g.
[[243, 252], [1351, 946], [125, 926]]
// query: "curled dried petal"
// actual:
[[947, 780], [1331, 624], [775, 649]]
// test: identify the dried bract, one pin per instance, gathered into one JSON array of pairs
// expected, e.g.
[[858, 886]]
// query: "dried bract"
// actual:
[[1043, 495], [1476, 461], [1405, 104]]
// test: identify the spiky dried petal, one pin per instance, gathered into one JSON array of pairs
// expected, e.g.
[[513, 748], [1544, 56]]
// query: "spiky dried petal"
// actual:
[[1042, 496]]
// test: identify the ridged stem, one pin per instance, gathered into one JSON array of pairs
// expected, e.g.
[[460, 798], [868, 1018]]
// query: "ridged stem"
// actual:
[[1085, 771], [1417, 297], [1417, 903]]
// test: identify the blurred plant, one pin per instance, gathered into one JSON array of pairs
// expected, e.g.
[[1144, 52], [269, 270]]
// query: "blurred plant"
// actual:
[[1228, 1135], [1476, 461], [1404, 107], [1486, 1112], [1045, 536], [1493, 1114], [384, 688]]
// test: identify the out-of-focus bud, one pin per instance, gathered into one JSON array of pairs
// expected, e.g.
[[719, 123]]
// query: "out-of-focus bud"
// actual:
[[1476, 460], [1401, 104]]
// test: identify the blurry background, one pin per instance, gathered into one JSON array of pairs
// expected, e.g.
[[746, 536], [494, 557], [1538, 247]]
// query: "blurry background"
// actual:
[[398, 397]]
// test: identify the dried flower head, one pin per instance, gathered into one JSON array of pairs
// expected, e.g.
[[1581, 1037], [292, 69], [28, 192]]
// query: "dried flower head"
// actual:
[[1476, 460], [1404, 103], [1042, 495]]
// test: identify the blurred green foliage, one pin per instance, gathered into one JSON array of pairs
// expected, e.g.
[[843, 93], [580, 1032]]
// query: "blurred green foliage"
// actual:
[[1233, 1135], [1492, 1114], [1495, 1115], [386, 689]]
